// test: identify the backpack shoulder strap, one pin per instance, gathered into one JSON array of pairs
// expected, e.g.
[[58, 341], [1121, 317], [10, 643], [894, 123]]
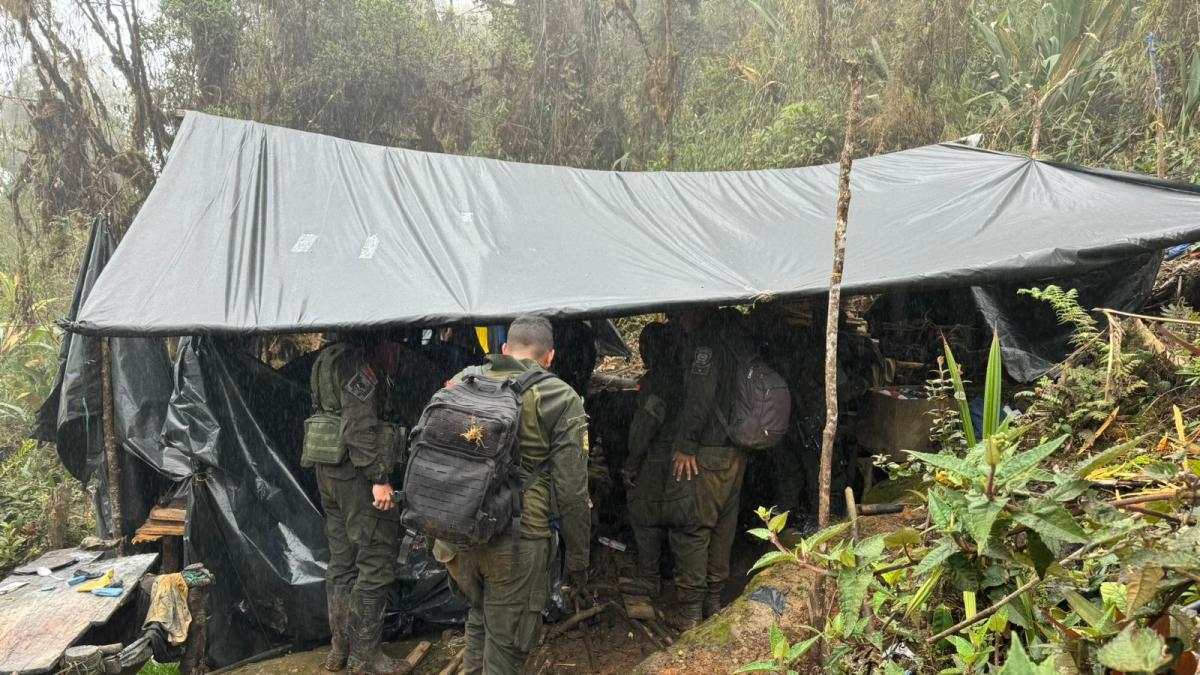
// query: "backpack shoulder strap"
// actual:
[[523, 382], [323, 380]]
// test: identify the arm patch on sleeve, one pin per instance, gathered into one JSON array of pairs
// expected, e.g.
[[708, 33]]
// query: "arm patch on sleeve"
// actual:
[[362, 385], [702, 360], [656, 408]]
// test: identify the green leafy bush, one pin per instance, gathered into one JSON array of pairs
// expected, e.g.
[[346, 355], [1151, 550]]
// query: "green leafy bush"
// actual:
[[1029, 555]]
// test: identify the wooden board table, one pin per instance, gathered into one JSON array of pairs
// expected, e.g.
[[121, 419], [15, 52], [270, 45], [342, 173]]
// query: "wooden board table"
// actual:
[[37, 626]]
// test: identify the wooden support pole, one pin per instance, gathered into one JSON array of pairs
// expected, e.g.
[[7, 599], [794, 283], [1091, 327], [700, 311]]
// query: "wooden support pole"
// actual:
[[112, 459], [195, 649], [835, 298], [852, 514]]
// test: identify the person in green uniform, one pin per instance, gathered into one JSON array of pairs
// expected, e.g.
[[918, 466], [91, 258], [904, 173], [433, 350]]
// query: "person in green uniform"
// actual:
[[659, 505], [350, 380], [506, 585], [702, 452]]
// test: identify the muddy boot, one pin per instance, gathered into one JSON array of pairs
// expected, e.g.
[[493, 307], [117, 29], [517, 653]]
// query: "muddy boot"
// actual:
[[712, 603], [366, 629], [641, 586], [685, 617], [338, 598]]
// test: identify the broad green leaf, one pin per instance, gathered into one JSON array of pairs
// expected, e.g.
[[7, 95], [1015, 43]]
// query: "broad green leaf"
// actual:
[[939, 510], [868, 550], [852, 590], [1069, 489], [779, 643], [961, 645], [1174, 560], [1019, 663], [942, 619], [770, 558], [1087, 466], [1138, 650], [903, 538], [1141, 586], [998, 622], [991, 389], [801, 648], [962, 572], [761, 532], [946, 461], [1039, 553], [1163, 471], [759, 667], [935, 558], [778, 522], [825, 535], [960, 395], [980, 516], [1093, 615], [1017, 465], [1114, 595], [1050, 520]]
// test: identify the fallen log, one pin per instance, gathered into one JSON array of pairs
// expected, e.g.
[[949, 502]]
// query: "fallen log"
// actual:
[[573, 621], [414, 657]]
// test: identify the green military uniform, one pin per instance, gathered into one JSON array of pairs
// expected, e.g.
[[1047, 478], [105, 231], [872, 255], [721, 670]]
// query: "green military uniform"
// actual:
[[708, 388], [506, 593], [363, 541], [659, 504]]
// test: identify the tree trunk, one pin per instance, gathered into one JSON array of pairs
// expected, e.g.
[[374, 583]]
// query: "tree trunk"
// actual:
[[835, 298], [824, 40], [110, 444]]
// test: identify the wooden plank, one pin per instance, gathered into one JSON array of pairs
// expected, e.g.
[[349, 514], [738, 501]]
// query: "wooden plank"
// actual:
[[166, 513], [162, 529], [36, 627]]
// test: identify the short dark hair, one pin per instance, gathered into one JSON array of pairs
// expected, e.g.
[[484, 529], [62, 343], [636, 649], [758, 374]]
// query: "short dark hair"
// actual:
[[532, 332]]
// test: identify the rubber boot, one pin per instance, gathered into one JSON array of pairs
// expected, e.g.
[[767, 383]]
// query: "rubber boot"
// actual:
[[338, 599], [712, 603], [641, 586], [685, 617], [366, 630]]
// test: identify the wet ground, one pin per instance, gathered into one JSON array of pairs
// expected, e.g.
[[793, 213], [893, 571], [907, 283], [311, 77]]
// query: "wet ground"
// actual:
[[617, 648]]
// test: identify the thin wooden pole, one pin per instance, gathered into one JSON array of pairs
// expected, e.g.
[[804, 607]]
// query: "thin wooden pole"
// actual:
[[1156, 94], [112, 460], [835, 298]]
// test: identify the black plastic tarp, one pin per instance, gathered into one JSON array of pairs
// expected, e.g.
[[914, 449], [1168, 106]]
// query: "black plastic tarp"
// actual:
[[254, 228], [223, 430], [71, 417]]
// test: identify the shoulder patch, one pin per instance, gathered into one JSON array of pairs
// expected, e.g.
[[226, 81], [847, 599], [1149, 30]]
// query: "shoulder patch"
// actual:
[[656, 407], [702, 360], [362, 385]]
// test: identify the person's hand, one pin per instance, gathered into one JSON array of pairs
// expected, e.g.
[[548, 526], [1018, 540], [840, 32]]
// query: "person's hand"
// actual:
[[381, 497], [686, 466]]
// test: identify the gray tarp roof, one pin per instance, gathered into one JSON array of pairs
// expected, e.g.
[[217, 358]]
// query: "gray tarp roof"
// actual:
[[254, 228]]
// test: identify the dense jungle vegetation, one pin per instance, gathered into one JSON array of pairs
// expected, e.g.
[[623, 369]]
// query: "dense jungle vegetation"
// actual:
[[89, 90]]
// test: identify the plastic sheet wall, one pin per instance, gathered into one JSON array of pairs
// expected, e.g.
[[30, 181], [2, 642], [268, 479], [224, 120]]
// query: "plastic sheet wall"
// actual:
[[223, 430]]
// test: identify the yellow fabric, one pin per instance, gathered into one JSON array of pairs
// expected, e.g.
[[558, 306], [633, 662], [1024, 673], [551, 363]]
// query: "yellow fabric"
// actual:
[[169, 607], [101, 582], [481, 334]]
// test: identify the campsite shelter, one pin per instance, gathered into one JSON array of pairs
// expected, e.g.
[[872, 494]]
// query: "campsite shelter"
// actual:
[[253, 229]]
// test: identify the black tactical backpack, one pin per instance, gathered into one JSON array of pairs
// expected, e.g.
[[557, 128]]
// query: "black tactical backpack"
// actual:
[[762, 405], [463, 484]]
